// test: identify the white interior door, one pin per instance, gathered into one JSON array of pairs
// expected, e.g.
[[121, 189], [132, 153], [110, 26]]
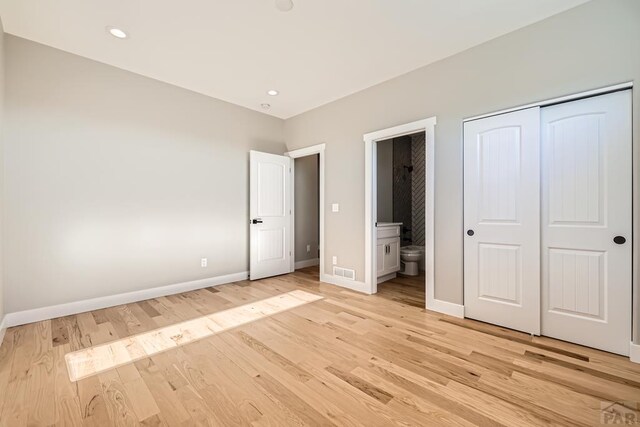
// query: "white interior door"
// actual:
[[270, 214], [502, 220], [586, 203]]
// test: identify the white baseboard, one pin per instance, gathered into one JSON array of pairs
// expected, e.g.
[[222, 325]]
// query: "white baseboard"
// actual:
[[53, 311], [3, 329], [634, 352], [446, 307], [307, 263], [354, 285]]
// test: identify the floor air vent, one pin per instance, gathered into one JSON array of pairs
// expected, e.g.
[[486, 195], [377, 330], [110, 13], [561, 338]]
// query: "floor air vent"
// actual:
[[347, 273]]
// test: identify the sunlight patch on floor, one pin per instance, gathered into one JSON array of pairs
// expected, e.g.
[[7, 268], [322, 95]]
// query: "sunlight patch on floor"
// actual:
[[93, 360]]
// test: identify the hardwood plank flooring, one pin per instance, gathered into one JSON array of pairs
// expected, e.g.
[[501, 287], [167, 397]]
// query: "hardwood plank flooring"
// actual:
[[408, 290], [235, 355]]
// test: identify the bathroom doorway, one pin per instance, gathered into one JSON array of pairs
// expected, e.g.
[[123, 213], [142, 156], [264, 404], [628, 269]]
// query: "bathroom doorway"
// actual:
[[399, 212], [400, 221]]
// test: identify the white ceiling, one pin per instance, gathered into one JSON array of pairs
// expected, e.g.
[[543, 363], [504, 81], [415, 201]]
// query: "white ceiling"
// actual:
[[236, 50]]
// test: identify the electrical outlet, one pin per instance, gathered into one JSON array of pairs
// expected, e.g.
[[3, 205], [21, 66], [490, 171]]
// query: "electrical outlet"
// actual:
[[203, 262], [335, 207], [335, 260], [308, 248]]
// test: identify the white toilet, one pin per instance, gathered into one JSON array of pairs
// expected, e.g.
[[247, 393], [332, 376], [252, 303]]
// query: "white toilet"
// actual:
[[411, 257]]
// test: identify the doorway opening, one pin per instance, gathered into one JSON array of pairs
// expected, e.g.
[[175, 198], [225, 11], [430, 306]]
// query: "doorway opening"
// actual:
[[400, 220], [307, 213], [386, 233], [306, 182]]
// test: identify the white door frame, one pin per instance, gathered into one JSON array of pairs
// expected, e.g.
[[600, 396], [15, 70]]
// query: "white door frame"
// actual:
[[558, 100], [295, 154], [370, 210]]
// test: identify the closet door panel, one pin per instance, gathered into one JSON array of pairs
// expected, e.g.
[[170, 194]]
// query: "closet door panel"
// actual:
[[501, 218], [586, 200]]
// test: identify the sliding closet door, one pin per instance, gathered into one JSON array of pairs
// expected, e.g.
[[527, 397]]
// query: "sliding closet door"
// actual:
[[586, 222], [502, 220]]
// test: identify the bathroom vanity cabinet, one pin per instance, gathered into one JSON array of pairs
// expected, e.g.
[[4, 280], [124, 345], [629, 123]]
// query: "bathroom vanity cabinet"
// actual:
[[388, 250]]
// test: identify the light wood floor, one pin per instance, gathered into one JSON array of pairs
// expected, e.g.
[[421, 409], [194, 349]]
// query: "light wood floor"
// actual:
[[347, 359]]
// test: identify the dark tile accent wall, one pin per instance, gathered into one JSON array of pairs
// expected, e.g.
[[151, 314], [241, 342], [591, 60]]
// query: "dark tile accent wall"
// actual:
[[418, 160], [402, 187]]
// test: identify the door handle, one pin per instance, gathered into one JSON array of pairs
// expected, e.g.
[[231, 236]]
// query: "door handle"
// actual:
[[256, 221], [470, 233], [619, 240]]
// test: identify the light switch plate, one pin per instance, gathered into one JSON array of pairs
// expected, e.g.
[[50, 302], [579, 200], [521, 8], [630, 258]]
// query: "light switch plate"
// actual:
[[335, 260], [335, 207]]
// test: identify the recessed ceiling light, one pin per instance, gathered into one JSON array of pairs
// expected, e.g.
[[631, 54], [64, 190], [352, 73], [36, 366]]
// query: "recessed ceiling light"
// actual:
[[117, 32], [284, 5], [272, 92], [265, 106]]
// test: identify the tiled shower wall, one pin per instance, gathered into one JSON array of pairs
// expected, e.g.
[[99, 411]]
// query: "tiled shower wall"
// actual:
[[402, 188], [409, 187], [418, 160]]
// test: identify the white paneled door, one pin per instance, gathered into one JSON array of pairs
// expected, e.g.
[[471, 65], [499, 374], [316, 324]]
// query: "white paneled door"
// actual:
[[586, 221], [502, 220], [270, 214]]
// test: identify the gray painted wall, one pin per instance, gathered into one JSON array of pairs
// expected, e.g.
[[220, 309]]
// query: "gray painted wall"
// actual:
[[384, 167], [307, 231], [594, 45], [158, 175], [115, 182]]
